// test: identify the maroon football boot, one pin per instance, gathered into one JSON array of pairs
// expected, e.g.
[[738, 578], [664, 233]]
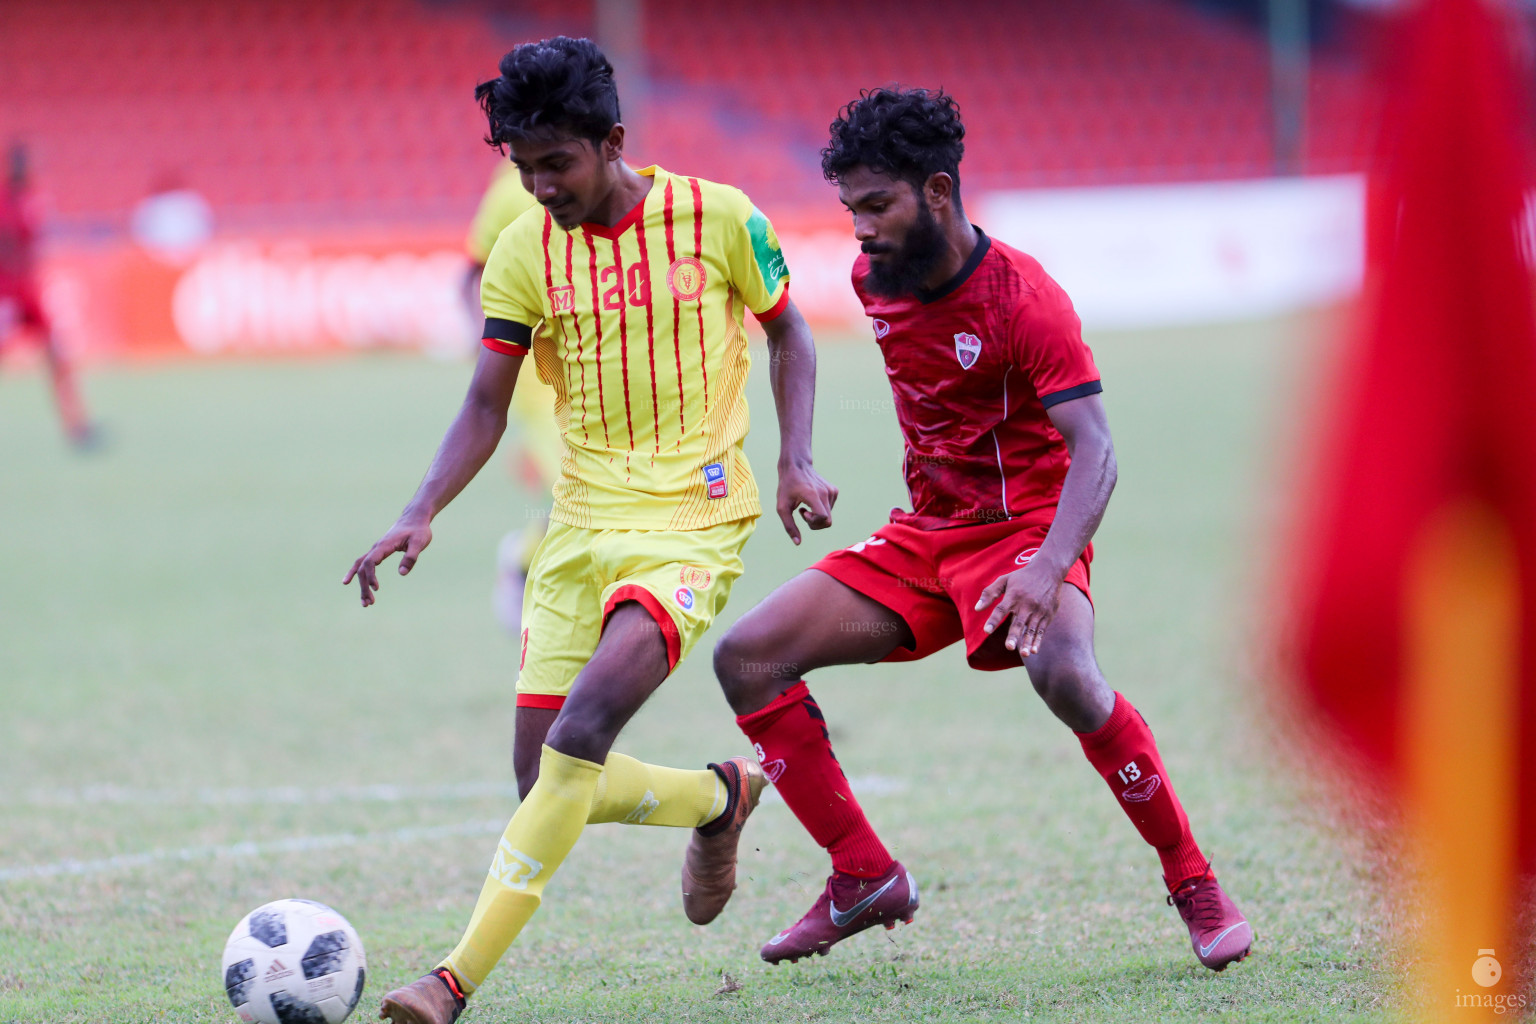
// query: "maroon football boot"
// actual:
[[1217, 929], [848, 905]]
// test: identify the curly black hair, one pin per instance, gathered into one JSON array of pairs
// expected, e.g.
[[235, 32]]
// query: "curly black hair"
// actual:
[[554, 87], [909, 134]]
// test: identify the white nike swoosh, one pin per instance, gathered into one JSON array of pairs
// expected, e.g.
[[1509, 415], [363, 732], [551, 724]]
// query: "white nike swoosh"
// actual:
[[842, 918], [1206, 950]]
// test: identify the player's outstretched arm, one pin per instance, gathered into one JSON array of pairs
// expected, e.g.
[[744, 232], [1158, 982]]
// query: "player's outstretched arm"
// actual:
[[1030, 594], [470, 440], [792, 373]]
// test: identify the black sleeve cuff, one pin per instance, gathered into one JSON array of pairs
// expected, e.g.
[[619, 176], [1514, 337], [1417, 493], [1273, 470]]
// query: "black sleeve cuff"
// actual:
[[509, 331], [1093, 387]]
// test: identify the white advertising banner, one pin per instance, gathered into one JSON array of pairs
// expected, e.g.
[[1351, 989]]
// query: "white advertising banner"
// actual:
[[1159, 255]]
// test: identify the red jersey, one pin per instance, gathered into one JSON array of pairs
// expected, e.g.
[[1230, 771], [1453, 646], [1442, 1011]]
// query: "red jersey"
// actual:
[[17, 236], [973, 367]]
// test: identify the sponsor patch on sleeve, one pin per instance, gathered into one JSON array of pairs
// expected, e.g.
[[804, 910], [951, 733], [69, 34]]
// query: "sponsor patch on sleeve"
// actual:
[[765, 249]]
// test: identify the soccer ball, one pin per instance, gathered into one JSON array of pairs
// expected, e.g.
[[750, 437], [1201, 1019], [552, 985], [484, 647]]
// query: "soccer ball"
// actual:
[[293, 962]]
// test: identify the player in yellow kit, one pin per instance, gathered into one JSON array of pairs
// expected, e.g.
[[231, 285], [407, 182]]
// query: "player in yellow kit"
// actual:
[[533, 403], [629, 289]]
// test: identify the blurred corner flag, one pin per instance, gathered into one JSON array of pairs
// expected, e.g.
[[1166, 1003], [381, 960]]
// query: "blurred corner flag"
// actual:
[[1417, 602]]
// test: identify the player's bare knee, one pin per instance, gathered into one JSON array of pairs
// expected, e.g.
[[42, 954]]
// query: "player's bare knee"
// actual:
[[734, 655], [752, 668], [586, 731], [1073, 689]]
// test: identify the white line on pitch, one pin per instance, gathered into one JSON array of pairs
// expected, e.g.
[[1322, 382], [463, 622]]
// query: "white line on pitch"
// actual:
[[863, 786], [380, 792], [296, 844], [866, 785]]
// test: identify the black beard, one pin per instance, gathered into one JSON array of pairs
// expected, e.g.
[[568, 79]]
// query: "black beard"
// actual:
[[904, 272]]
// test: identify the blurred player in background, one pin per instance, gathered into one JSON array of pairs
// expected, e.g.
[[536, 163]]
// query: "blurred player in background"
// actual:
[[21, 307], [629, 289], [1009, 467], [533, 403]]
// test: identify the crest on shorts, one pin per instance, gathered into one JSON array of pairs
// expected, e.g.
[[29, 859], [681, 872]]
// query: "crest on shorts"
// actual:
[[685, 278], [967, 349], [695, 577], [881, 328]]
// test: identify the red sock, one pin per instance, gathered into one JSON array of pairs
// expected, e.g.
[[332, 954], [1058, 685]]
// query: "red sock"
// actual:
[[1124, 752], [790, 737]]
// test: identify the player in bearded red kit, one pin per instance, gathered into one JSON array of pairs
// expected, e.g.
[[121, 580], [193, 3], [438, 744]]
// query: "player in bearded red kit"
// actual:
[[1009, 465]]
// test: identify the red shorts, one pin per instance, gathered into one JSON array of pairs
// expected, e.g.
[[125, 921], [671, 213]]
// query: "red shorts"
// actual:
[[933, 579]]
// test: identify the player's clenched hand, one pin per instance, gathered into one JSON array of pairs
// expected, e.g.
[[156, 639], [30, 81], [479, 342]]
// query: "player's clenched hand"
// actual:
[[408, 535], [1030, 595], [800, 486]]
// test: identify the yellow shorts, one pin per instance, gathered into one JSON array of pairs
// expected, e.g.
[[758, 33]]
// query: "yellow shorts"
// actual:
[[578, 576]]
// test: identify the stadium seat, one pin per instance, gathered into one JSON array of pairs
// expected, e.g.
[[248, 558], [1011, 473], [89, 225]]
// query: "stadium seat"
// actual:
[[277, 110]]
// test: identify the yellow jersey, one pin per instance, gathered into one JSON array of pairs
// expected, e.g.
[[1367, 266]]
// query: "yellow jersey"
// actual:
[[504, 201], [639, 329]]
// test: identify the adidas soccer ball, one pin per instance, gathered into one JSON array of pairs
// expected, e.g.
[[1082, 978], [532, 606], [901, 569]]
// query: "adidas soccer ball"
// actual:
[[293, 962]]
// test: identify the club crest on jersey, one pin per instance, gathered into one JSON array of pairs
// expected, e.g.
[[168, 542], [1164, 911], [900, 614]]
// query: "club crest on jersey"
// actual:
[[685, 278], [684, 598], [967, 349], [714, 479], [562, 298], [881, 328]]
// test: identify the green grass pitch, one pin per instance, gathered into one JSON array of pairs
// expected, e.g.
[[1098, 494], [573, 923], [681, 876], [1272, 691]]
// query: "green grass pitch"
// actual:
[[196, 718]]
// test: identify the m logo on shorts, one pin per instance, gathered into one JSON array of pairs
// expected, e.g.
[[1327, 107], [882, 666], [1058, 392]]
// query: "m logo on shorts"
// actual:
[[562, 298], [684, 598]]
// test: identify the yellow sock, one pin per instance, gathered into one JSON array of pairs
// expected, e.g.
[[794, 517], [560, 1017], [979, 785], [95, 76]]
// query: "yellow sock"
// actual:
[[537, 839], [637, 793]]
